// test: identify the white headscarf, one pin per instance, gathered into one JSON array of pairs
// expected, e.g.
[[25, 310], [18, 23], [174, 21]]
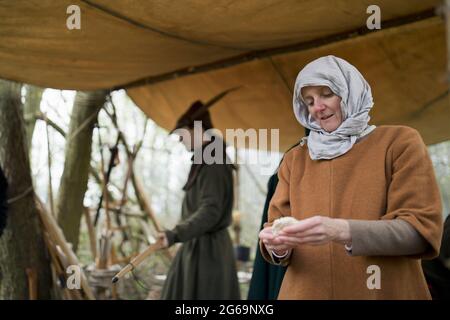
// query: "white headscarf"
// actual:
[[356, 101]]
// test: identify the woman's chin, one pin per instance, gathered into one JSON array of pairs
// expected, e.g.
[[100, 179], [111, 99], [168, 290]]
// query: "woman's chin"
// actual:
[[329, 128]]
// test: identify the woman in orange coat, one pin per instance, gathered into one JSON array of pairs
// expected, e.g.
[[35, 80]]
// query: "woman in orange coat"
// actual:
[[365, 198]]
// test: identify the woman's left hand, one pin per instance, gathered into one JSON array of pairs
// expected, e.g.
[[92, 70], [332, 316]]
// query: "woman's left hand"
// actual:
[[162, 238], [317, 230]]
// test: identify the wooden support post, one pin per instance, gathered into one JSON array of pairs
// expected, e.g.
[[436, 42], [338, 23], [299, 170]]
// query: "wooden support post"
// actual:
[[91, 232], [58, 238], [447, 29], [58, 270], [104, 250], [49, 161], [32, 283]]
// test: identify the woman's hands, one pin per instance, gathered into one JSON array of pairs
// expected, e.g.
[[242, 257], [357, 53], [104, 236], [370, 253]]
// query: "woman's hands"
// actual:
[[272, 242], [316, 230], [162, 238]]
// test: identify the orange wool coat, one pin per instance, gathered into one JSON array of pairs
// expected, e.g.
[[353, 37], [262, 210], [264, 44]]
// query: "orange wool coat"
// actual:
[[387, 175]]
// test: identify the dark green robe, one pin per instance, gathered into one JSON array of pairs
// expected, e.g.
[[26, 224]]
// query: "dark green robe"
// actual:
[[436, 272], [205, 266], [266, 278]]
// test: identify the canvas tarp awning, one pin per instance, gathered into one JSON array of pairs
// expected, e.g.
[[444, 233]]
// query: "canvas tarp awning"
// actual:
[[190, 50]]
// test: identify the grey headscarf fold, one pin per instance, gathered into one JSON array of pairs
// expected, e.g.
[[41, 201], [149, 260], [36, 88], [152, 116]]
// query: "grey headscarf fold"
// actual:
[[356, 101]]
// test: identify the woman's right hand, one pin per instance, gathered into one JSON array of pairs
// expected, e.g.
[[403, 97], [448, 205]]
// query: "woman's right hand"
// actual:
[[162, 239], [272, 242]]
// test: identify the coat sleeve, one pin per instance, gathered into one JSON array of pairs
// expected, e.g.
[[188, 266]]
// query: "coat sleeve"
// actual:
[[279, 206], [413, 194], [215, 186], [394, 237]]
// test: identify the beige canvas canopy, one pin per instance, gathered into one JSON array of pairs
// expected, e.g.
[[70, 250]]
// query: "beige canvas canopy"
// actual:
[[169, 53]]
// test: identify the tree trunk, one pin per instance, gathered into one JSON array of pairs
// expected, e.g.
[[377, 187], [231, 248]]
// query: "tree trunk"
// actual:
[[31, 109], [74, 179], [21, 246]]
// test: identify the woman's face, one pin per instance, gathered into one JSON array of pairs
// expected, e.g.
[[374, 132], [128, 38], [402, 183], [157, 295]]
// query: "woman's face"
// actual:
[[324, 106]]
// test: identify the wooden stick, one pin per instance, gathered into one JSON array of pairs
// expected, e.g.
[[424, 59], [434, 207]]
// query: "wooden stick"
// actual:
[[270, 52], [58, 237], [106, 176], [147, 232], [137, 260], [144, 202], [40, 116], [57, 269], [61, 294], [112, 256], [124, 197], [49, 162], [137, 184], [104, 249], [125, 259], [145, 205], [91, 232], [114, 294], [62, 257], [119, 228], [447, 29], [131, 214], [32, 283]]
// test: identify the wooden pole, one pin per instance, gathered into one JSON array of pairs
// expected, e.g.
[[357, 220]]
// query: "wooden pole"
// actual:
[[267, 53], [106, 176], [58, 238], [58, 269], [447, 29], [123, 201], [91, 232], [104, 249], [32, 283], [144, 202], [137, 260], [49, 162]]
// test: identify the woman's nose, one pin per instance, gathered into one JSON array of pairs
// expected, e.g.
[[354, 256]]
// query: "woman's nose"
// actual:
[[318, 106]]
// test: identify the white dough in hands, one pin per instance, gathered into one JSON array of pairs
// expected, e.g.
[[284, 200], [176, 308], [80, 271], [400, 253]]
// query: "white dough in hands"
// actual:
[[280, 223]]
